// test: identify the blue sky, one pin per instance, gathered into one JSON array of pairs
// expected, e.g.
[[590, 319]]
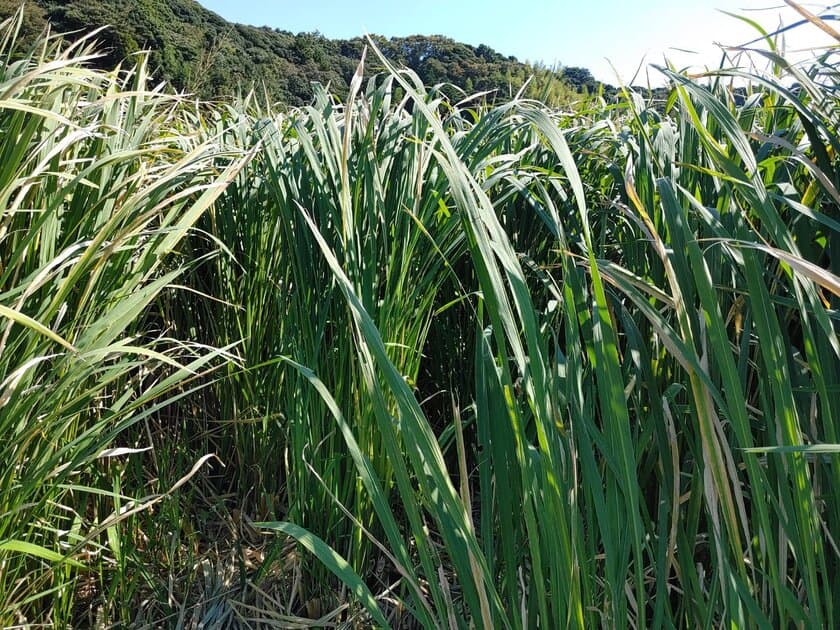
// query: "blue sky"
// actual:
[[597, 34]]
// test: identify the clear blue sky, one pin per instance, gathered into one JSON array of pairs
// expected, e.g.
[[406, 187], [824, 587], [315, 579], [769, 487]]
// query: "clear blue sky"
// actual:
[[589, 33]]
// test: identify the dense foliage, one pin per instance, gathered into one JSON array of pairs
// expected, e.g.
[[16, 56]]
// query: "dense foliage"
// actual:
[[403, 363], [196, 50]]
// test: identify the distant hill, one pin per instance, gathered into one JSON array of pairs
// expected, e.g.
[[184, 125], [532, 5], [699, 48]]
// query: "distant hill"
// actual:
[[198, 51]]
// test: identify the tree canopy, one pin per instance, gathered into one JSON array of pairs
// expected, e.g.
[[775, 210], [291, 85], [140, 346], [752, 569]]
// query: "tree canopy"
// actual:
[[197, 51]]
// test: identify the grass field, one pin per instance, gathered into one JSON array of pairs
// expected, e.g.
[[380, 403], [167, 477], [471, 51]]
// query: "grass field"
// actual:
[[400, 361]]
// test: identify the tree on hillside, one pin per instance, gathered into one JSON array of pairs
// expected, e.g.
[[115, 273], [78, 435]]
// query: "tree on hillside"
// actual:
[[580, 78], [197, 51]]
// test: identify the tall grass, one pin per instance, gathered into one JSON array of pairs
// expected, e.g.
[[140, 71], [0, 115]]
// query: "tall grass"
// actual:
[[101, 178], [493, 367], [653, 388]]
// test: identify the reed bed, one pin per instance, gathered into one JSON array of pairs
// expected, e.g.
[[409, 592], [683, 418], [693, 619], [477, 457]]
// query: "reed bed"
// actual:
[[393, 360]]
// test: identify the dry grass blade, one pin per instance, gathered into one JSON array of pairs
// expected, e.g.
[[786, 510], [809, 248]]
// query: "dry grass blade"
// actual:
[[813, 19]]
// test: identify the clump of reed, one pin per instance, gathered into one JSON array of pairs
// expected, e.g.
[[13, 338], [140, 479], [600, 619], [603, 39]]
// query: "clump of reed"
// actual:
[[493, 367]]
